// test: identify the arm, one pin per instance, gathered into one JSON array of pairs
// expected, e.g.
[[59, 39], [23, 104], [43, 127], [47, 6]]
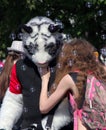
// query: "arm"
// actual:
[[47, 103], [12, 105]]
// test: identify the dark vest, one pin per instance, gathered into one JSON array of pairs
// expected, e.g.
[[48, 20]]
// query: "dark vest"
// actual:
[[29, 78]]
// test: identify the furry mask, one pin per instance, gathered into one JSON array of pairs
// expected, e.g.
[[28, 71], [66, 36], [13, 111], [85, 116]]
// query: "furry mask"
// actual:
[[42, 39]]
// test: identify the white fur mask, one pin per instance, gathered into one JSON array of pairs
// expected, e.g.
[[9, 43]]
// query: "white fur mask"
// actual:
[[42, 39]]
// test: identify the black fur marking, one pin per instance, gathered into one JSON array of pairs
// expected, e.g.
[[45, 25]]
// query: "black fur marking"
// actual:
[[31, 48], [51, 48], [27, 29], [47, 36], [34, 35]]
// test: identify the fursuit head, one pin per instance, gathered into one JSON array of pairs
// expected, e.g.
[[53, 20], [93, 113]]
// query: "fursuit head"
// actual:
[[43, 40]]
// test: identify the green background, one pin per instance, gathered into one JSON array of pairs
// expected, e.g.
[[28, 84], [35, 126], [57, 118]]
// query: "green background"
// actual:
[[81, 18]]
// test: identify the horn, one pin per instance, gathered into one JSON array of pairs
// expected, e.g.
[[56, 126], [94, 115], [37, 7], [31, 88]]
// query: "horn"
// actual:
[[25, 28], [57, 27], [53, 28]]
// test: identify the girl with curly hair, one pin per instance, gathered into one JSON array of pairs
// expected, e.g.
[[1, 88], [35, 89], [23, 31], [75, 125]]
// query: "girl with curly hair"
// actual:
[[77, 56]]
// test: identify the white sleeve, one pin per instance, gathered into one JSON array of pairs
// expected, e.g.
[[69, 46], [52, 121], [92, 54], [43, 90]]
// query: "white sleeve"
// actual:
[[11, 110]]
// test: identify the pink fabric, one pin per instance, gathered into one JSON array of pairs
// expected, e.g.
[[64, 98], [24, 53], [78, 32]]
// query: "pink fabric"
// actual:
[[75, 120], [80, 113], [93, 99], [77, 112], [91, 89], [1, 64]]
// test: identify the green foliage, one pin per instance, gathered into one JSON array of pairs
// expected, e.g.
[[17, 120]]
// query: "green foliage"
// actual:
[[79, 19]]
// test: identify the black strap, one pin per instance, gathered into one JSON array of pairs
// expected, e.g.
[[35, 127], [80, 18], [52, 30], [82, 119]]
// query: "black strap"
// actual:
[[74, 76], [50, 117], [49, 122], [51, 113]]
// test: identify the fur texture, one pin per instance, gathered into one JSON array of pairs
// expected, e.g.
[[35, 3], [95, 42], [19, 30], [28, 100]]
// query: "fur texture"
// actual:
[[11, 110]]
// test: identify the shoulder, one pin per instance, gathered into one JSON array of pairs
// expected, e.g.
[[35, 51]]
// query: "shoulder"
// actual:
[[69, 77], [67, 80]]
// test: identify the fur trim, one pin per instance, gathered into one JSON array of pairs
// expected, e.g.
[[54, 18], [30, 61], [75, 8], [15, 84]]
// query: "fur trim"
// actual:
[[11, 110], [62, 116]]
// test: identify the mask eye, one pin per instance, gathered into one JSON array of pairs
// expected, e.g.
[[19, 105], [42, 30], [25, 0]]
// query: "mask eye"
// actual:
[[25, 28]]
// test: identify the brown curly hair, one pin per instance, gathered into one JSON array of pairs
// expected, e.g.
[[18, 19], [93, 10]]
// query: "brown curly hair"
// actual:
[[78, 55]]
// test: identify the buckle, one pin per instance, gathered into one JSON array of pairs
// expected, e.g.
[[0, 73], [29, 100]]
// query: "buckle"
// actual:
[[48, 128], [33, 127]]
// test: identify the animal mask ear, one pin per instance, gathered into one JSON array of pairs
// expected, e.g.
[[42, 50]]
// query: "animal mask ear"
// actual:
[[55, 28], [25, 28]]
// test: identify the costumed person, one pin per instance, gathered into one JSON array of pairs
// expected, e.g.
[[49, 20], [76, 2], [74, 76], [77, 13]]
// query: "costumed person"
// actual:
[[76, 62], [15, 52], [42, 40]]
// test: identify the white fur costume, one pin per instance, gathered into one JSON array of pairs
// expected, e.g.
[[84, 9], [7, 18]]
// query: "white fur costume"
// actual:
[[11, 110], [39, 43]]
